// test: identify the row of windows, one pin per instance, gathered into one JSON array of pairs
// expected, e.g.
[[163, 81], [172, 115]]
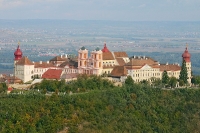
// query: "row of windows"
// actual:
[[109, 62], [188, 68], [173, 73], [71, 70], [146, 70], [146, 75], [40, 70], [22, 72], [138, 80], [83, 55], [84, 63], [95, 56]]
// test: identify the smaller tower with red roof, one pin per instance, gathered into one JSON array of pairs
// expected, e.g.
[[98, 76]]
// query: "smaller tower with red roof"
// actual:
[[186, 56], [17, 57], [105, 49], [18, 53]]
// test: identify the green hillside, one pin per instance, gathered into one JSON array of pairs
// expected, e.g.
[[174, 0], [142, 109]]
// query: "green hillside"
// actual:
[[131, 108]]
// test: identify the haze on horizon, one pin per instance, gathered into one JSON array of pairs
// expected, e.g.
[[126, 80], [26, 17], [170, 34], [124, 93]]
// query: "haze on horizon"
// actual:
[[118, 10]]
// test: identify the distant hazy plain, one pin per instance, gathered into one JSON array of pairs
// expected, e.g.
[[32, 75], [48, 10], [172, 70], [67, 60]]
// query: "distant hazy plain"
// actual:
[[43, 39]]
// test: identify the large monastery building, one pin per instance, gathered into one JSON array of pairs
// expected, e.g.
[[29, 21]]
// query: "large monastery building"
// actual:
[[99, 62]]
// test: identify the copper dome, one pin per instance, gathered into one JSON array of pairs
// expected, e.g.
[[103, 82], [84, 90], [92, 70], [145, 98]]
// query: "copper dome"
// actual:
[[18, 53], [186, 55]]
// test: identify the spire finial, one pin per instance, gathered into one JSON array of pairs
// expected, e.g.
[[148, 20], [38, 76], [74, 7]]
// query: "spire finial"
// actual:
[[186, 45], [104, 43], [18, 42]]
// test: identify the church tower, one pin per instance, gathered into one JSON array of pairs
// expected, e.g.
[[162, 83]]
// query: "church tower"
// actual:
[[97, 61], [17, 56], [186, 56], [82, 60]]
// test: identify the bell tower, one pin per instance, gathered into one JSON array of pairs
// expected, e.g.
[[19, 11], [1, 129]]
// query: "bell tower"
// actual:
[[82, 60], [97, 61], [17, 56], [186, 56]]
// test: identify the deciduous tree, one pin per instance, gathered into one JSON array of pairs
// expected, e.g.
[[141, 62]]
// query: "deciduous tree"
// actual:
[[172, 82], [129, 81]]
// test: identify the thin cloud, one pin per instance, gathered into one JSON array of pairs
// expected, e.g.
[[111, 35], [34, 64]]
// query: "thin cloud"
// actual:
[[9, 4]]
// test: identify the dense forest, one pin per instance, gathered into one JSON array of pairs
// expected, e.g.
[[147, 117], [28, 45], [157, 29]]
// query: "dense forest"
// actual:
[[94, 104]]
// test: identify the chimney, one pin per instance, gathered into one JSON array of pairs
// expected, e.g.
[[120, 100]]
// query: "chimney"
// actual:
[[40, 62], [60, 56], [47, 62]]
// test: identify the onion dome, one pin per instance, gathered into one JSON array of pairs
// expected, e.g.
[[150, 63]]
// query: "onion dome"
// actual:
[[97, 49], [186, 55], [83, 48], [105, 49], [18, 53]]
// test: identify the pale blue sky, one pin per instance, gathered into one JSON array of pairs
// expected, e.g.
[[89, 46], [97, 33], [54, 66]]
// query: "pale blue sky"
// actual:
[[124, 10]]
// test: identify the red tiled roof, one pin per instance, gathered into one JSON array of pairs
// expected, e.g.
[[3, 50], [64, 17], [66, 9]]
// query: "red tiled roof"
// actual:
[[70, 63], [12, 79], [43, 65], [120, 54], [52, 74], [120, 61], [24, 61], [18, 53], [186, 55], [105, 49], [108, 56], [10, 89], [119, 71], [169, 67], [141, 62]]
